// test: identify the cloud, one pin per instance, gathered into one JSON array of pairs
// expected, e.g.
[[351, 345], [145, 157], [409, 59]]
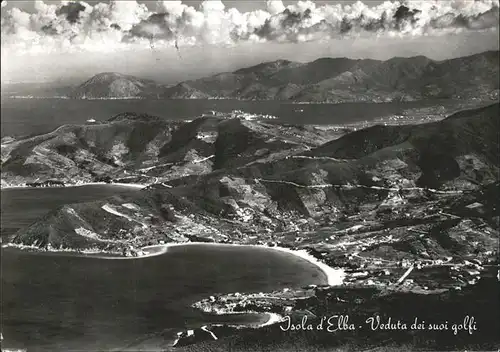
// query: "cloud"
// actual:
[[78, 26], [71, 11], [275, 6], [156, 26]]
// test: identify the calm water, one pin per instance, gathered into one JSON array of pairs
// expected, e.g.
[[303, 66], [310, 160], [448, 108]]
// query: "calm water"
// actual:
[[59, 302], [28, 116]]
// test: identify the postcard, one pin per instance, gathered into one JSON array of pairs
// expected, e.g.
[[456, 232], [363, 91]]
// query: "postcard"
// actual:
[[250, 176]]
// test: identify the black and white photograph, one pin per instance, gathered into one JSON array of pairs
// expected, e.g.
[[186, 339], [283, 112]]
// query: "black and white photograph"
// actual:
[[250, 176]]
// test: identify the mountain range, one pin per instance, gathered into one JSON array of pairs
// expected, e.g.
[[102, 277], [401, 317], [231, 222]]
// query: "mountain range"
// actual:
[[379, 202], [260, 177], [322, 80]]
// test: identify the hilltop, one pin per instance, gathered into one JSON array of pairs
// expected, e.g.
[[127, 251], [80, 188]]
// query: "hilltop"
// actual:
[[109, 85]]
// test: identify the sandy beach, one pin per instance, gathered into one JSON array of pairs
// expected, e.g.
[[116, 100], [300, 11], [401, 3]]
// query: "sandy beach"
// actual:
[[333, 276], [273, 319]]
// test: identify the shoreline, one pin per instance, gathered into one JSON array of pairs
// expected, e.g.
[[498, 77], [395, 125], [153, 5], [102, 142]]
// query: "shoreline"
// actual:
[[274, 318], [87, 253], [131, 185], [333, 276]]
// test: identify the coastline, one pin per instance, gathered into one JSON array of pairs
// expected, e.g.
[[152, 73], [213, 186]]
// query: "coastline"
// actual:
[[333, 276], [89, 253], [131, 185], [273, 319]]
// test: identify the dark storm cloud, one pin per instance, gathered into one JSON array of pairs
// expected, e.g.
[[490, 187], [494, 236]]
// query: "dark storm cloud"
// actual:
[[405, 15], [282, 24], [154, 27], [71, 11]]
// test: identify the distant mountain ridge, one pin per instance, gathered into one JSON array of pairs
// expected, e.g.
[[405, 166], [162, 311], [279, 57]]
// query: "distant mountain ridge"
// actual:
[[115, 85], [323, 80]]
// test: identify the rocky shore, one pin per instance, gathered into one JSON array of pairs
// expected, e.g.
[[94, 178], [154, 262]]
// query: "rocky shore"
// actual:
[[54, 183]]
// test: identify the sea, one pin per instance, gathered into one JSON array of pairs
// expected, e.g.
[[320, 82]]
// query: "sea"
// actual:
[[21, 117]]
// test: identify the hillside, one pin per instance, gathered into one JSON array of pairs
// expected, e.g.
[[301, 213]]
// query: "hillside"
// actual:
[[132, 147], [262, 178], [108, 85], [378, 203], [331, 80], [348, 80]]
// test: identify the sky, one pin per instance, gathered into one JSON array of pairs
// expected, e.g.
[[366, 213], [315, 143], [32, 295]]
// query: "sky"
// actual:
[[171, 41]]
